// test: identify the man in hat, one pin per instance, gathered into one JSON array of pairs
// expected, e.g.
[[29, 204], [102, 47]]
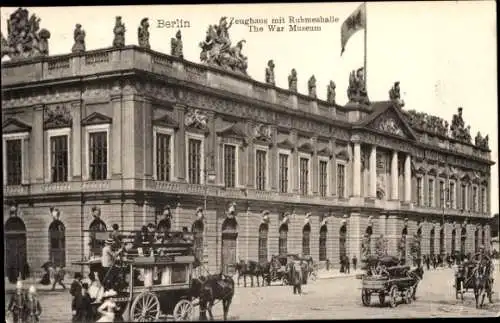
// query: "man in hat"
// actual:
[[83, 305], [199, 213], [165, 224], [33, 306], [75, 289], [107, 261], [17, 304]]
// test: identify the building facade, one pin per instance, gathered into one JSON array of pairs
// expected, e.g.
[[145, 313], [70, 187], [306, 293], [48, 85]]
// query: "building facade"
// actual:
[[115, 135]]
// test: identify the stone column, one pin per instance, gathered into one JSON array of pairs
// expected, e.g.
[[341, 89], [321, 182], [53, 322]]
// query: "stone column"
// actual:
[[407, 176], [356, 173], [392, 234], [354, 236], [373, 172], [394, 175]]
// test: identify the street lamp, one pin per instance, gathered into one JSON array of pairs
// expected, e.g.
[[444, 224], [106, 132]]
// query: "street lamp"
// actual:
[[209, 176]]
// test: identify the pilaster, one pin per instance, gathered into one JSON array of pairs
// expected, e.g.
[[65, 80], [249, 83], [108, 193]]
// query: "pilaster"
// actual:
[[294, 164], [354, 236], [37, 146], [394, 176], [76, 140], [273, 160], [117, 135], [407, 178], [373, 172], [180, 144], [356, 172], [147, 111], [314, 167], [128, 141]]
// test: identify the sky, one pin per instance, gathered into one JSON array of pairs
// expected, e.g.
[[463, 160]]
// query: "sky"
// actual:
[[443, 53]]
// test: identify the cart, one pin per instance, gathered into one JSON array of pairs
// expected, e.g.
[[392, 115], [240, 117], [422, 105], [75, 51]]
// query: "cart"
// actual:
[[156, 284], [464, 278], [279, 268]]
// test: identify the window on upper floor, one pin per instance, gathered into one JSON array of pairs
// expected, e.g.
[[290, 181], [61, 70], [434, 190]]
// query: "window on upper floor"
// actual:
[[420, 191], [283, 172], [230, 165], [13, 162], [164, 156], [304, 175], [323, 177], [453, 194], [260, 170], [430, 196], [341, 180], [98, 155], [474, 199], [194, 161], [463, 195], [59, 158]]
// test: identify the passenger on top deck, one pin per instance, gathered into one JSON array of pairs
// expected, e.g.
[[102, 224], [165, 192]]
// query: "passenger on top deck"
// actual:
[[166, 222], [115, 235]]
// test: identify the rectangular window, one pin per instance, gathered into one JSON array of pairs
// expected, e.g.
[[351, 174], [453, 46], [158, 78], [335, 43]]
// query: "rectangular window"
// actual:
[[474, 198], [420, 191], [452, 195], [98, 155], [260, 169], [283, 173], [230, 165], [443, 199], [323, 177], [14, 161], [484, 208], [430, 197], [163, 157], [304, 176], [341, 181], [194, 161], [59, 158], [463, 194]]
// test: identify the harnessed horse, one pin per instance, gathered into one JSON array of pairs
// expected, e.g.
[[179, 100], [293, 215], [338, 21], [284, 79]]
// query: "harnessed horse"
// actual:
[[482, 282]]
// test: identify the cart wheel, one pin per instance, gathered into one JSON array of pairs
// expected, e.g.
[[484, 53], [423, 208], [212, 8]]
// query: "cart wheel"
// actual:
[[145, 308], [393, 296], [183, 311], [381, 298], [365, 297], [408, 295]]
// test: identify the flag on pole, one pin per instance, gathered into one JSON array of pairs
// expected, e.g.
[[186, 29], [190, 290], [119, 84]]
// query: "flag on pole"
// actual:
[[355, 22]]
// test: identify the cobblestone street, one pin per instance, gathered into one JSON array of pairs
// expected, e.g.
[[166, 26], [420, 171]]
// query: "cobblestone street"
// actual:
[[338, 298]]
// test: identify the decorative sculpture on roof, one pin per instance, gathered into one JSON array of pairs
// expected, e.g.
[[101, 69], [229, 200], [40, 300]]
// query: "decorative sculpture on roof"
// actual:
[[292, 80], [176, 48], [425, 122], [24, 37], [196, 119], [311, 85], [395, 95], [216, 48], [356, 92], [142, 34], [458, 129], [482, 142], [330, 92], [79, 37], [119, 31], [270, 72]]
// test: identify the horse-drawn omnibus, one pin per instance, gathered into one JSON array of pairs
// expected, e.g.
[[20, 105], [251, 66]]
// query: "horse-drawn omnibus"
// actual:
[[153, 279]]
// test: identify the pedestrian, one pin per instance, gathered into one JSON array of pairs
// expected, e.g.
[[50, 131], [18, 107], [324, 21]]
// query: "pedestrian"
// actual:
[[59, 277], [83, 306], [75, 290], [296, 277], [108, 307], [33, 307], [427, 262], [17, 304], [347, 269], [354, 262], [115, 235]]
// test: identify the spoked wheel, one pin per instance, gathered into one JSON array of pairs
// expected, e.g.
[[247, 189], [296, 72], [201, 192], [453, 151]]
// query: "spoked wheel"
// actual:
[[408, 295], [145, 308], [393, 296], [381, 298], [183, 311], [365, 297]]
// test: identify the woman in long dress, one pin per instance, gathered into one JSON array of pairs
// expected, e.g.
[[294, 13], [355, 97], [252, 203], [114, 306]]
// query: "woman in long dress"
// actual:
[[107, 308]]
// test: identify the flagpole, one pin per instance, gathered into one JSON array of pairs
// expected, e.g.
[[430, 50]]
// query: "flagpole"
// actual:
[[365, 51]]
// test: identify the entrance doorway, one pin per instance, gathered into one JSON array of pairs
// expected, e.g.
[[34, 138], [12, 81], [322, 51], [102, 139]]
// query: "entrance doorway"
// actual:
[[15, 248], [229, 244], [57, 243]]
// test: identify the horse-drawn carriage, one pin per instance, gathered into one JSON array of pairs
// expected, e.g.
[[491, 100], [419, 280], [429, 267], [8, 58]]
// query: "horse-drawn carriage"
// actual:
[[386, 278], [152, 280], [280, 268], [474, 275]]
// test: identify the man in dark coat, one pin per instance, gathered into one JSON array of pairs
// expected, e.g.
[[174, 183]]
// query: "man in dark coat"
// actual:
[[296, 277], [354, 262], [83, 306], [75, 290], [166, 222], [17, 304]]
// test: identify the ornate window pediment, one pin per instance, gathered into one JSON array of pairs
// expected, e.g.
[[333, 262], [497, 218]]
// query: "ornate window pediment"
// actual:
[[95, 119], [12, 125], [57, 117], [342, 155], [262, 134], [232, 131], [196, 121], [286, 144], [306, 148], [443, 174], [432, 172], [325, 151], [166, 121]]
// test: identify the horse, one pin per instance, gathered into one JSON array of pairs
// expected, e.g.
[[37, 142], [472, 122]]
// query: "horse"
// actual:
[[482, 283], [210, 288], [249, 268], [418, 275]]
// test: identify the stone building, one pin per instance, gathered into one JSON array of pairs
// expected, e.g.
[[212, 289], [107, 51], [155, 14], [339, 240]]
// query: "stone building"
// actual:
[[114, 135]]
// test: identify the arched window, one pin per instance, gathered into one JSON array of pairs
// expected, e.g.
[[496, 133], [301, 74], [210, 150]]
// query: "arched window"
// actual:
[[322, 242], [431, 241], [441, 241], [463, 239], [483, 238], [57, 243], [283, 240], [15, 250], [229, 245], [263, 236], [453, 240], [197, 230], [306, 240], [476, 240], [96, 245], [342, 241]]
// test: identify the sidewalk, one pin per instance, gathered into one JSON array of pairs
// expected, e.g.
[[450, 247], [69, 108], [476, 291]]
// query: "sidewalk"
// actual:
[[335, 273], [41, 289]]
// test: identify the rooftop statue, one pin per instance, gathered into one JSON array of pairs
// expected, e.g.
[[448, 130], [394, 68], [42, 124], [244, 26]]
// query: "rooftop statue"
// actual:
[[330, 92], [292, 80], [270, 72], [119, 31], [395, 95], [79, 37], [216, 48], [142, 34], [356, 92], [458, 129], [24, 37], [176, 45], [311, 85]]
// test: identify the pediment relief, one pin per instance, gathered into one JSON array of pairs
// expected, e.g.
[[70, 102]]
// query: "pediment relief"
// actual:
[[443, 174], [342, 155], [166, 121], [196, 120], [465, 177], [306, 147], [432, 172], [232, 131], [453, 176], [57, 117], [96, 118], [392, 123], [12, 125], [262, 133], [285, 144], [325, 151]]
